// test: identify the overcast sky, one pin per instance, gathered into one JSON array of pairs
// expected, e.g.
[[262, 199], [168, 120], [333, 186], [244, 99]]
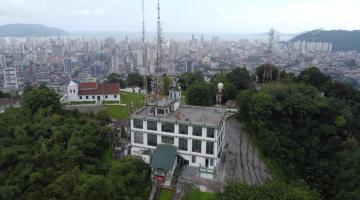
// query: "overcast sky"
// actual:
[[233, 16]]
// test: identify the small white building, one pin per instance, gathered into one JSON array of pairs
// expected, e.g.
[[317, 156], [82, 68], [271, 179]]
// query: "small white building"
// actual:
[[92, 92]]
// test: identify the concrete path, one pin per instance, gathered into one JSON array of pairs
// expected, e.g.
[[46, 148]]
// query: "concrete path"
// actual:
[[240, 159]]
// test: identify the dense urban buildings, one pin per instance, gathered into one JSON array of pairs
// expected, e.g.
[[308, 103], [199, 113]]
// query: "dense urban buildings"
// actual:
[[55, 61]]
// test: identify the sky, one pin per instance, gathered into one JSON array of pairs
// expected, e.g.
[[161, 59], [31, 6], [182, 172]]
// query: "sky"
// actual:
[[198, 16]]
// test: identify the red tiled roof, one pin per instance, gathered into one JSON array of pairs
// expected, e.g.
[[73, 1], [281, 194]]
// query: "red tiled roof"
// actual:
[[87, 85], [110, 88], [7, 101]]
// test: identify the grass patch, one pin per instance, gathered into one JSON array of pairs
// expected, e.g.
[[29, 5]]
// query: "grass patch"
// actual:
[[122, 112], [165, 194], [136, 98], [117, 111], [196, 194]]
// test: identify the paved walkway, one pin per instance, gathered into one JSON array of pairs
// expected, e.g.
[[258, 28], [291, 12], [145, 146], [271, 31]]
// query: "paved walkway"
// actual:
[[240, 159]]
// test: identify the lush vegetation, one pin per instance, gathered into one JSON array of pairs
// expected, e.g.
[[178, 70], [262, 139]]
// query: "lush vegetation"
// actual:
[[165, 194], [310, 128], [201, 93], [49, 153], [269, 191]]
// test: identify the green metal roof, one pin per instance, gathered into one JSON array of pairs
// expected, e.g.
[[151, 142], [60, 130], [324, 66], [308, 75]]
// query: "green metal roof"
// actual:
[[164, 157]]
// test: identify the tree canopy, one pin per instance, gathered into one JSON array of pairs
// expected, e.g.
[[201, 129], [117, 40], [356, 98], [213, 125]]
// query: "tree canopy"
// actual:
[[50, 153], [199, 94], [310, 129], [270, 191]]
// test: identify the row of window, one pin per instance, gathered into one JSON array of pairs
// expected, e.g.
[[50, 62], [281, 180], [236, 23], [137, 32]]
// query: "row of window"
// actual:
[[183, 142], [93, 97], [170, 128], [72, 91], [208, 162]]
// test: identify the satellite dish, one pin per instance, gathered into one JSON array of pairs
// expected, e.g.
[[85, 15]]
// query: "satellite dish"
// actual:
[[220, 86]]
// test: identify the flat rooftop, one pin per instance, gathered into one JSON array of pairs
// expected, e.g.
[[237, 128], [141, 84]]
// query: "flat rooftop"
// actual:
[[211, 116]]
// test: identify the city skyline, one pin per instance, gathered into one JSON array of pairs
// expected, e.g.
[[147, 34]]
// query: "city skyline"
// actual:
[[229, 16]]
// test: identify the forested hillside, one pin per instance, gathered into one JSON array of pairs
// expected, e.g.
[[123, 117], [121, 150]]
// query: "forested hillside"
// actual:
[[310, 127], [49, 153], [307, 127], [341, 40]]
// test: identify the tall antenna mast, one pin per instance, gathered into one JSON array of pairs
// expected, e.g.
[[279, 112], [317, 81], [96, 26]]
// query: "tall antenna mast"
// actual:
[[158, 54], [268, 66], [144, 52]]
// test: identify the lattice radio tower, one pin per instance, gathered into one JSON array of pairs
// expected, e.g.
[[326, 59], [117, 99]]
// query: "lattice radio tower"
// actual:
[[158, 81], [268, 67], [144, 52]]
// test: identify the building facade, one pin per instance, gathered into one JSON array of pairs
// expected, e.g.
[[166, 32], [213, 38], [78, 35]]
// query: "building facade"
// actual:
[[92, 92], [197, 132]]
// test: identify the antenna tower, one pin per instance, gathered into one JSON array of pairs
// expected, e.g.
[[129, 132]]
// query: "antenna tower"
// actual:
[[268, 67], [158, 82], [144, 52]]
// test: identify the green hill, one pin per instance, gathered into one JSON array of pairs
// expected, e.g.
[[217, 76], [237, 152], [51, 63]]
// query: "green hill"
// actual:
[[342, 40]]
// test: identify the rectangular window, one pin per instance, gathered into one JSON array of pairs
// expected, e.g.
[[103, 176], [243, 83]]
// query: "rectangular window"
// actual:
[[160, 111], [115, 96], [80, 97], [197, 131], [139, 137], [193, 159], [183, 129], [167, 140], [93, 97], [152, 125], [196, 146], [87, 97], [138, 123], [167, 127], [152, 140], [211, 162], [183, 144], [106, 96], [210, 148], [210, 133]]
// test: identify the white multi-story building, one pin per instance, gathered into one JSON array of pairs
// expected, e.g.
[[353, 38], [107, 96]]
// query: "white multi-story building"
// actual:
[[197, 132], [10, 78]]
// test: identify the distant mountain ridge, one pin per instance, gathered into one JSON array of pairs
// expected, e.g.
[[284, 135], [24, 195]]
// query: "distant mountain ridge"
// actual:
[[27, 30], [342, 40]]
